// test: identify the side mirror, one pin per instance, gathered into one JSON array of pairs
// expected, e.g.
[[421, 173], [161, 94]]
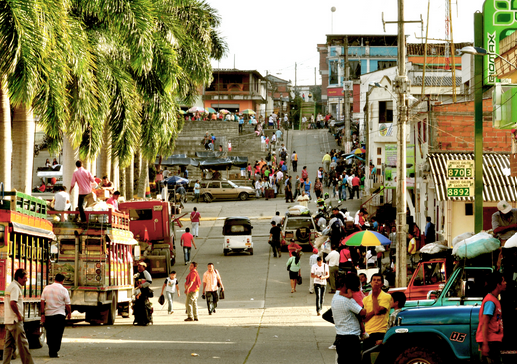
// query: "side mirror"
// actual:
[[433, 294]]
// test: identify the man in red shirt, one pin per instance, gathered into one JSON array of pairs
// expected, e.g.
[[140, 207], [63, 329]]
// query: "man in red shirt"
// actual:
[[355, 186], [192, 285], [186, 241], [113, 200], [84, 180], [194, 219]]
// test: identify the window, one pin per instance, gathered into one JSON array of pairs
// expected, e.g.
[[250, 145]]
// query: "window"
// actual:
[[355, 69], [142, 214], [379, 161], [386, 64], [226, 185], [214, 185], [379, 151], [333, 76], [385, 112]]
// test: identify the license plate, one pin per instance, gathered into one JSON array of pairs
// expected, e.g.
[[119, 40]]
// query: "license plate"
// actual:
[[248, 244]]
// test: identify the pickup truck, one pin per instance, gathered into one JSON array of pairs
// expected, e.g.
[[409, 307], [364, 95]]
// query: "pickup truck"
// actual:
[[445, 332]]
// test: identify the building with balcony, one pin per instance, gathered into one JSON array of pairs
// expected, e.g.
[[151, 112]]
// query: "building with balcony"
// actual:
[[236, 90], [278, 91]]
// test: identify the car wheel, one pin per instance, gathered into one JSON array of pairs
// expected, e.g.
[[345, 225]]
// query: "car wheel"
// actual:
[[225, 252], [207, 198], [418, 355], [243, 196]]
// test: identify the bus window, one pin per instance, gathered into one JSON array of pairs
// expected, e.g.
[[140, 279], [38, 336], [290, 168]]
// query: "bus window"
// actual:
[[66, 246], [54, 252], [142, 214], [93, 246]]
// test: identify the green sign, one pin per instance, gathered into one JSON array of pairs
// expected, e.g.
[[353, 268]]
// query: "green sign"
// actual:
[[499, 21], [390, 169], [460, 188], [460, 169]]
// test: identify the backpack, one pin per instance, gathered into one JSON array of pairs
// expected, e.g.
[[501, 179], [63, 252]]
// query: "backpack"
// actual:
[[283, 155]]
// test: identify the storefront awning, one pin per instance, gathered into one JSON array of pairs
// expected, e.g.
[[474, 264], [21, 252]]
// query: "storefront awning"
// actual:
[[25, 229], [497, 184]]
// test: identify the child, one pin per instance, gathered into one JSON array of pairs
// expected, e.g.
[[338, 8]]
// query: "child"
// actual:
[[397, 303], [170, 285]]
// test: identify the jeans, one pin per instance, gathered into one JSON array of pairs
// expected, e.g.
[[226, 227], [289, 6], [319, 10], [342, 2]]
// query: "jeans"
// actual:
[[80, 204], [15, 337], [343, 193], [295, 166], [170, 301], [320, 296], [196, 197], [195, 229], [355, 189], [191, 303], [348, 349], [55, 326], [186, 254], [211, 301]]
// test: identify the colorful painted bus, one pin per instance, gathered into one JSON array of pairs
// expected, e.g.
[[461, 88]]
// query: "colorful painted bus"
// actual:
[[25, 240], [96, 258]]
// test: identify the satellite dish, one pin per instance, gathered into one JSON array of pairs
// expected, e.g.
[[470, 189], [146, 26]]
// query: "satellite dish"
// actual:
[[333, 9]]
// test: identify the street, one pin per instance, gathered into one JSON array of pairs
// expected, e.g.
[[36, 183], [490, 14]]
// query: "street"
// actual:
[[258, 321]]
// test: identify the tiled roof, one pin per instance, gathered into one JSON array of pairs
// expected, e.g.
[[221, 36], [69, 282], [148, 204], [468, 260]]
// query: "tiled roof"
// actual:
[[437, 81], [496, 185]]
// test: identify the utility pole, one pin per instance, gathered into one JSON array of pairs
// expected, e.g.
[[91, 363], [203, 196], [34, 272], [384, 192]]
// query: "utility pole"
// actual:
[[296, 96], [346, 113], [401, 84]]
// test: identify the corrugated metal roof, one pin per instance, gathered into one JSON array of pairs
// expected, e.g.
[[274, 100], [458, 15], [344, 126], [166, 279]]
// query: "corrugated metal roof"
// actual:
[[437, 81], [496, 185]]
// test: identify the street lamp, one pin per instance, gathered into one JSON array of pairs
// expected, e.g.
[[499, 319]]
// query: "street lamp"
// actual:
[[478, 51]]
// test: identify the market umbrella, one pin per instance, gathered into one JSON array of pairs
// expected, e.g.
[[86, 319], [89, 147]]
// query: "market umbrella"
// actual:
[[210, 110], [248, 112], [196, 109], [367, 238], [359, 151], [224, 111], [176, 180], [182, 112]]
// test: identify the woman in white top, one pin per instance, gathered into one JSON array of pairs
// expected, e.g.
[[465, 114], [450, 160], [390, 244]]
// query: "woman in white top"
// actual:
[[171, 286]]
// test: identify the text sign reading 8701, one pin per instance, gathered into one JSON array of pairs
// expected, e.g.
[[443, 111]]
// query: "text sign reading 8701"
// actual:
[[460, 169]]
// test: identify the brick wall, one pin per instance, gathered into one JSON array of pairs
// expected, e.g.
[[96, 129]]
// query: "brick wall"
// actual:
[[453, 126]]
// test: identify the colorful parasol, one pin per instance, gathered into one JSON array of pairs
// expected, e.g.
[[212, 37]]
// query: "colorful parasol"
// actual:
[[248, 112], [196, 109], [359, 151], [367, 238], [224, 111], [210, 110]]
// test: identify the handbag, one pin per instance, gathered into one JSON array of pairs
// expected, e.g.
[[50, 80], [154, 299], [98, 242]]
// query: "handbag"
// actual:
[[161, 300], [221, 294], [299, 280], [327, 316]]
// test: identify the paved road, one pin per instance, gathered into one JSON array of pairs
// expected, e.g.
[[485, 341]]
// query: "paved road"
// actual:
[[259, 321]]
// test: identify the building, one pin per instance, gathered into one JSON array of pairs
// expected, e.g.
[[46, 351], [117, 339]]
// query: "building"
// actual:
[[236, 91], [278, 91]]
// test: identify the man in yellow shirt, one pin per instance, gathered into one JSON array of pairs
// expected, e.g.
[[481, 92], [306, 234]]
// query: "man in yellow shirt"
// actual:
[[326, 162], [377, 305], [411, 248]]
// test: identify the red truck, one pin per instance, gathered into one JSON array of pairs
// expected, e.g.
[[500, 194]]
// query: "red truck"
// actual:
[[152, 225], [429, 277]]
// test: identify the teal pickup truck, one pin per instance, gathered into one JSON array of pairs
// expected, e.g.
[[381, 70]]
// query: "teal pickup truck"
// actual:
[[444, 330]]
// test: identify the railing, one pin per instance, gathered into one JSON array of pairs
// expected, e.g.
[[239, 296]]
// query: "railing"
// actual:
[[117, 220], [23, 204]]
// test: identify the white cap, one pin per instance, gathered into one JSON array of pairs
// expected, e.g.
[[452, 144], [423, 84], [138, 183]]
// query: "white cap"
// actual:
[[504, 207]]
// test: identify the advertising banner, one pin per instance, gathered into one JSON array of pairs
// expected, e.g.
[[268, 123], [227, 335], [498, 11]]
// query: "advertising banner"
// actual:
[[390, 169]]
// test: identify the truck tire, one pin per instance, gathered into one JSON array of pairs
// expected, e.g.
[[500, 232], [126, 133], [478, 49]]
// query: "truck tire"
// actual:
[[112, 311], [418, 355]]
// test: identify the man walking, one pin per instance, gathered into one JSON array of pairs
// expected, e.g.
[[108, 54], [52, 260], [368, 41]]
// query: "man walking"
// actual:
[[55, 308], [194, 219], [192, 284], [13, 319], [275, 237], [288, 190], [84, 180], [429, 232], [320, 273], [489, 334], [326, 162], [333, 263], [355, 186], [186, 241], [196, 191], [294, 159], [211, 282]]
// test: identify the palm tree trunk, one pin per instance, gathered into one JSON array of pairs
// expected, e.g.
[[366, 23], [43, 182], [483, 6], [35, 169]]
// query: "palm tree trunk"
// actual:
[[143, 179], [130, 179], [70, 156], [23, 148], [115, 173], [5, 138], [105, 155]]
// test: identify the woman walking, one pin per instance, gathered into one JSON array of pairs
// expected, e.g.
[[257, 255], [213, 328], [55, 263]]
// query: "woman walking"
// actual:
[[293, 266]]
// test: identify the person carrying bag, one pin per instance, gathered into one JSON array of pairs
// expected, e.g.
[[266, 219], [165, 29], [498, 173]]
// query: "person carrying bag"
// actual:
[[293, 266]]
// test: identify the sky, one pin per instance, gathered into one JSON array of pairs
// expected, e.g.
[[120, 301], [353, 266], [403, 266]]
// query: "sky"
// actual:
[[270, 36]]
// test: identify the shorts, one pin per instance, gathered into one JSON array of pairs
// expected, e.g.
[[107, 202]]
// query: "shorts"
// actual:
[[293, 275]]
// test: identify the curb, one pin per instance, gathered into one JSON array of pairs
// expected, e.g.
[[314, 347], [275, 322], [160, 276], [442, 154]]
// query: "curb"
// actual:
[[223, 218]]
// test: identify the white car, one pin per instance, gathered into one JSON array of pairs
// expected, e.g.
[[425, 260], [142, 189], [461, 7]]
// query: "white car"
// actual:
[[237, 235]]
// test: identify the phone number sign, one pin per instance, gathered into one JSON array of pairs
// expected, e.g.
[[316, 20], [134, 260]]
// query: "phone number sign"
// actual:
[[460, 188], [460, 169]]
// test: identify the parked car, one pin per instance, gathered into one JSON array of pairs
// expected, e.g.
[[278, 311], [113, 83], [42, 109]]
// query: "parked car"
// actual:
[[299, 226], [224, 190], [237, 235]]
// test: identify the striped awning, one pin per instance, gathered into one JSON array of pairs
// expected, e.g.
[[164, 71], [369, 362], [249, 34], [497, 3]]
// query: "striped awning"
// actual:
[[497, 185]]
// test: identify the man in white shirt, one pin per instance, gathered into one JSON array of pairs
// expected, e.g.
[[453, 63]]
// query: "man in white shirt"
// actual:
[[349, 182], [62, 200], [304, 123], [55, 308], [320, 273], [312, 260], [13, 319], [280, 179], [165, 173], [333, 261], [277, 219]]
